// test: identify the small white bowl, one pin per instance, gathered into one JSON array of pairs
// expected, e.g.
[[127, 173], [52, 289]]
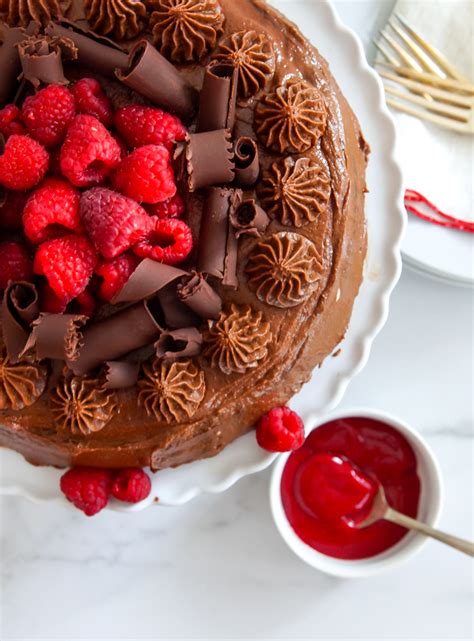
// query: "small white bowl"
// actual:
[[431, 499]]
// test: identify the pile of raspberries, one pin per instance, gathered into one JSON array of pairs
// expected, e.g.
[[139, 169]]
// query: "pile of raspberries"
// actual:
[[87, 193]]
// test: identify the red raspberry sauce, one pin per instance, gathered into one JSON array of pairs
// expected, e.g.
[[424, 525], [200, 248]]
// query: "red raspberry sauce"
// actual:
[[332, 479]]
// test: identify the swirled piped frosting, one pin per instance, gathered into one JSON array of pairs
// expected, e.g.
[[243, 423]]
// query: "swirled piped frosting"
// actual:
[[22, 12], [295, 192], [292, 119], [284, 269], [254, 57], [21, 384], [122, 19], [186, 30], [80, 406], [171, 391], [238, 340]]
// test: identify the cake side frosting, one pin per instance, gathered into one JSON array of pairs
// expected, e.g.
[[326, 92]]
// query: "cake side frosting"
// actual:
[[296, 278]]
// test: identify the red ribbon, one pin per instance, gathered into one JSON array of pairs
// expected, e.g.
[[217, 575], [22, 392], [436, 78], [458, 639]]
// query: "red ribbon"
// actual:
[[443, 220]]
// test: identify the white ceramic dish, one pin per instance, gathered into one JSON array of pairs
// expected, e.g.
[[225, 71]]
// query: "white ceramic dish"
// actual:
[[431, 500], [385, 219]]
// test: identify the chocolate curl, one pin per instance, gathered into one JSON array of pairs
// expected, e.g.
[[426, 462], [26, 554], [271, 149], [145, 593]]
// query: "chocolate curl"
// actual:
[[217, 242], [152, 76], [147, 280], [179, 343], [19, 309], [10, 65], [247, 162], [248, 218], [218, 98], [113, 337], [208, 159], [176, 314], [57, 336], [41, 59], [119, 374], [100, 54], [195, 292]]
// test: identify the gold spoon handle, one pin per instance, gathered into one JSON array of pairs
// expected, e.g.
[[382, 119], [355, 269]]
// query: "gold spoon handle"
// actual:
[[412, 524]]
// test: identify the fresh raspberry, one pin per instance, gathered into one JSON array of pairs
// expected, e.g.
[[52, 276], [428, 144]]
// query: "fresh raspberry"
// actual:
[[114, 274], [49, 302], [84, 304], [91, 99], [169, 242], [15, 263], [11, 212], [24, 163], [87, 487], [11, 121], [131, 484], [52, 211], [141, 126], [171, 208], [113, 222], [89, 153], [68, 264], [280, 430], [48, 114], [146, 175]]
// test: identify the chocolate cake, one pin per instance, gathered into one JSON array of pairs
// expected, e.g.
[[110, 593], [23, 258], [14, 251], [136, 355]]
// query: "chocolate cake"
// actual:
[[186, 357]]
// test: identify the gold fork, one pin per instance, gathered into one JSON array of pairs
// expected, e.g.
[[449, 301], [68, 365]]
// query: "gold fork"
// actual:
[[429, 85]]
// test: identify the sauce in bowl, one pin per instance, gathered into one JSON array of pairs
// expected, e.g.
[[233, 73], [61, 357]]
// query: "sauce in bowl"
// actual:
[[329, 484]]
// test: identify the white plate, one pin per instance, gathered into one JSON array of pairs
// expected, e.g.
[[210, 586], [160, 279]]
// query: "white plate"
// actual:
[[386, 221]]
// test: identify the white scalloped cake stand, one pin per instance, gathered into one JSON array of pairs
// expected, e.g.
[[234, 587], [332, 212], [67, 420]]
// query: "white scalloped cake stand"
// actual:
[[386, 220]]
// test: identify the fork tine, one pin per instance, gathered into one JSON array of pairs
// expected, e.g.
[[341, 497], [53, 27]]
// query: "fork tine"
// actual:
[[429, 79], [440, 94], [447, 123], [419, 54], [407, 59], [393, 61], [446, 110], [441, 60]]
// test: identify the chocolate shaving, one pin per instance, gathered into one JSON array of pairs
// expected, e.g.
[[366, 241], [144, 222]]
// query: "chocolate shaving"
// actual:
[[217, 242], [147, 280], [248, 218], [195, 292], [119, 374], [116, 336], [218, 98], [176, 314], [207, 158], [100, 54], [42, 59], [247, 162], [19, 309], [10, 65], [179, 343], [152, 76], [57, 336]]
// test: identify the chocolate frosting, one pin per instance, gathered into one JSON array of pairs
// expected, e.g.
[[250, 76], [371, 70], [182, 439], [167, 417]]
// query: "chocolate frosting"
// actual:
[[218, 97], [217, 243], [116, 336], [152, 76], [195, 292], [19, 309], [179, 343], [93, 52], [247, 162]]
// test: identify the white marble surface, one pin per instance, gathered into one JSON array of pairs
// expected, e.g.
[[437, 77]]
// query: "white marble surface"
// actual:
[[217, 568]]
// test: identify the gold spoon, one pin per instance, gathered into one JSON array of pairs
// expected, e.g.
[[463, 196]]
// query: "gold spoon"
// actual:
[[382, 510]]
